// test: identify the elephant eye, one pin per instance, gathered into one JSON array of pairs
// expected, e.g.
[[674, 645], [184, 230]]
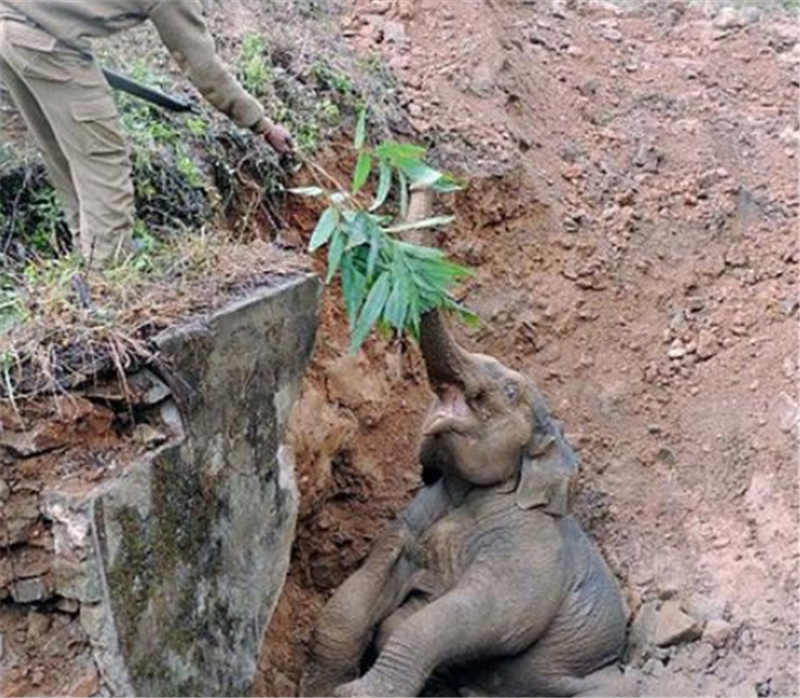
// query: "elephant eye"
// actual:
[[511, 391]]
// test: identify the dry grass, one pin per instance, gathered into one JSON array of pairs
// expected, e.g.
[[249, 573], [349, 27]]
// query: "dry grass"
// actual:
[[56, 338]]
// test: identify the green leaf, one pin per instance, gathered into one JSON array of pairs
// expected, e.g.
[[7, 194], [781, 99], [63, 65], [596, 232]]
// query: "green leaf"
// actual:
[[335, 254], [362, 229], [403, 194], [420, 174], [376, 238], [354, 286], [436, 222], [361, 174], [419, 250], [446, 186], [307, 191], [384, 185], [396, 308], [372, 310], [325, 226], [398, 152], [361, 130]]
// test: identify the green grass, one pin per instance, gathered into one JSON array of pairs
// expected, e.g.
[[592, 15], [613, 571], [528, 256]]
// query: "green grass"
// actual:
[[255, 71]]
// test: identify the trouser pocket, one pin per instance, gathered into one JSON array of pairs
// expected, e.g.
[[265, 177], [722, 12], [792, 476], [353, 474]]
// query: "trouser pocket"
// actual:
[[99, 125]]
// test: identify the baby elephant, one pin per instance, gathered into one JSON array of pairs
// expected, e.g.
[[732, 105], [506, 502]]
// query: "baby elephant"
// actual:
[[484, 585]]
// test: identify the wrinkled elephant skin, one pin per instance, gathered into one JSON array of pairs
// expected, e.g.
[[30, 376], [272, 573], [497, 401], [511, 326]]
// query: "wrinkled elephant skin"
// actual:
[[485, 585]]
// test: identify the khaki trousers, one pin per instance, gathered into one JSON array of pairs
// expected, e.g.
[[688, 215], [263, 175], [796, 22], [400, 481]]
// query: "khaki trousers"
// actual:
[[68, 107]]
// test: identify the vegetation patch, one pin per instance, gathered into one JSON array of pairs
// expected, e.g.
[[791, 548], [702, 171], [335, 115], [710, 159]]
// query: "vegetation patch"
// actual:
[[208, 195], [386, 281]]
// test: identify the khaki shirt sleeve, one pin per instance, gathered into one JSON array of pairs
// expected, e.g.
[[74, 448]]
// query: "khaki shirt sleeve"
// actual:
[[182, 29]]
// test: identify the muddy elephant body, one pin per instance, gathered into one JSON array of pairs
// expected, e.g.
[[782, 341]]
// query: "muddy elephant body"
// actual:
[[485, 584]]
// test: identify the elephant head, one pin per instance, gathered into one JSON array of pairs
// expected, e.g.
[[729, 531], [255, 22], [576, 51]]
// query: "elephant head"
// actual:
[[489, 426]]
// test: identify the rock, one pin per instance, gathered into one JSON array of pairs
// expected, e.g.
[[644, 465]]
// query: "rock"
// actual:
[[38, 625], [197, 537], [170, 417], [30, 590], [653, 667], [676, 350], [707, 345], [673, 626], [5, 490], [26, 444], [149, 436], [728, 18], [21, 516], [153, 389], [750, 15], [641, 632], [395, 32], [703, 608], [378, 7], [668, 588], [70, 606], [736, 256], [717, 632]]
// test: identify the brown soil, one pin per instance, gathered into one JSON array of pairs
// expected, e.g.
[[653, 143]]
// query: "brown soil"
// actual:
[[632, 219]]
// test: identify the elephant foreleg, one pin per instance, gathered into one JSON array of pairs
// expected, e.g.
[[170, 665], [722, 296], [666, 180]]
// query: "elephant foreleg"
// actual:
[[347, 622]]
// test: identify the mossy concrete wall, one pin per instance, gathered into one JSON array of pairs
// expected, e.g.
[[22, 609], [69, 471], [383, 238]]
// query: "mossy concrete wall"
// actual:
[[179, 562]]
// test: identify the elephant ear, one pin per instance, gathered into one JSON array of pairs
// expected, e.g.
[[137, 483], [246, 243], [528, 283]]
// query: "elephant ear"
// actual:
[[549, 468]]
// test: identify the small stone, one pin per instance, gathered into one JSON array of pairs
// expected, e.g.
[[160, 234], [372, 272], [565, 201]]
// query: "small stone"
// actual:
[[29, 590], [5, 490], [66, 605], [153, 389], [641, 631], [717, 632], [148, 436], [728, 18], [395, 33], [707, 345], [668, 588], [38, 625], [736, 256], [32, 443], [653, 667], [790, 306], [674, 627], [676, 350]]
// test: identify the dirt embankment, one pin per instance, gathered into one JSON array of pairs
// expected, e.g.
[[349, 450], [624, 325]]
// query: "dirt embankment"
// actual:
[[633, 223]]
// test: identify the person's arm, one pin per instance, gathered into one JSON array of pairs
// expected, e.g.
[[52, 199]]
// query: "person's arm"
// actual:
[[181, 27]]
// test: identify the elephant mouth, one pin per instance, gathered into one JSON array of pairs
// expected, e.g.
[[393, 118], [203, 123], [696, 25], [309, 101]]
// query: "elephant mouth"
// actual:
[[451, 414]]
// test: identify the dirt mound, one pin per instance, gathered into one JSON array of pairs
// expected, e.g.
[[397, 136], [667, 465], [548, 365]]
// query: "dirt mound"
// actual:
[[632, 219]]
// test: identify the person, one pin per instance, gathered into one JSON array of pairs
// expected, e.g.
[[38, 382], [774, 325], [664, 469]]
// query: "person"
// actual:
[[47, 67]]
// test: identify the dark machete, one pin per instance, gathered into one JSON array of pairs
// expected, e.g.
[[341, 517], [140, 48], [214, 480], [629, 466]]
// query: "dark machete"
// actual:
[[157, 97]]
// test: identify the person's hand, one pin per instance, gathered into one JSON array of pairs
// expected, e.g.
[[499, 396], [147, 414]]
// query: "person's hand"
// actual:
[[280, 139]]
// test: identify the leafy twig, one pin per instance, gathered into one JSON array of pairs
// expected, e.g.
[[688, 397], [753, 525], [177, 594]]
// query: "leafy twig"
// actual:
[[386, 282]]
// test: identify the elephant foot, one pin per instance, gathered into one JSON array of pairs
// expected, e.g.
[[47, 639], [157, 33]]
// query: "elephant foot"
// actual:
[[609, 682]]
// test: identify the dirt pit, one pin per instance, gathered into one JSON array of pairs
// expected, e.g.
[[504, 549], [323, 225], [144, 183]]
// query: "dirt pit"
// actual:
[[632, 217]]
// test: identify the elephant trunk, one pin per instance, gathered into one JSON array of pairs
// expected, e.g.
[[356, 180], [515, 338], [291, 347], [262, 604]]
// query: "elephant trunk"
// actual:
[[445, 361]]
